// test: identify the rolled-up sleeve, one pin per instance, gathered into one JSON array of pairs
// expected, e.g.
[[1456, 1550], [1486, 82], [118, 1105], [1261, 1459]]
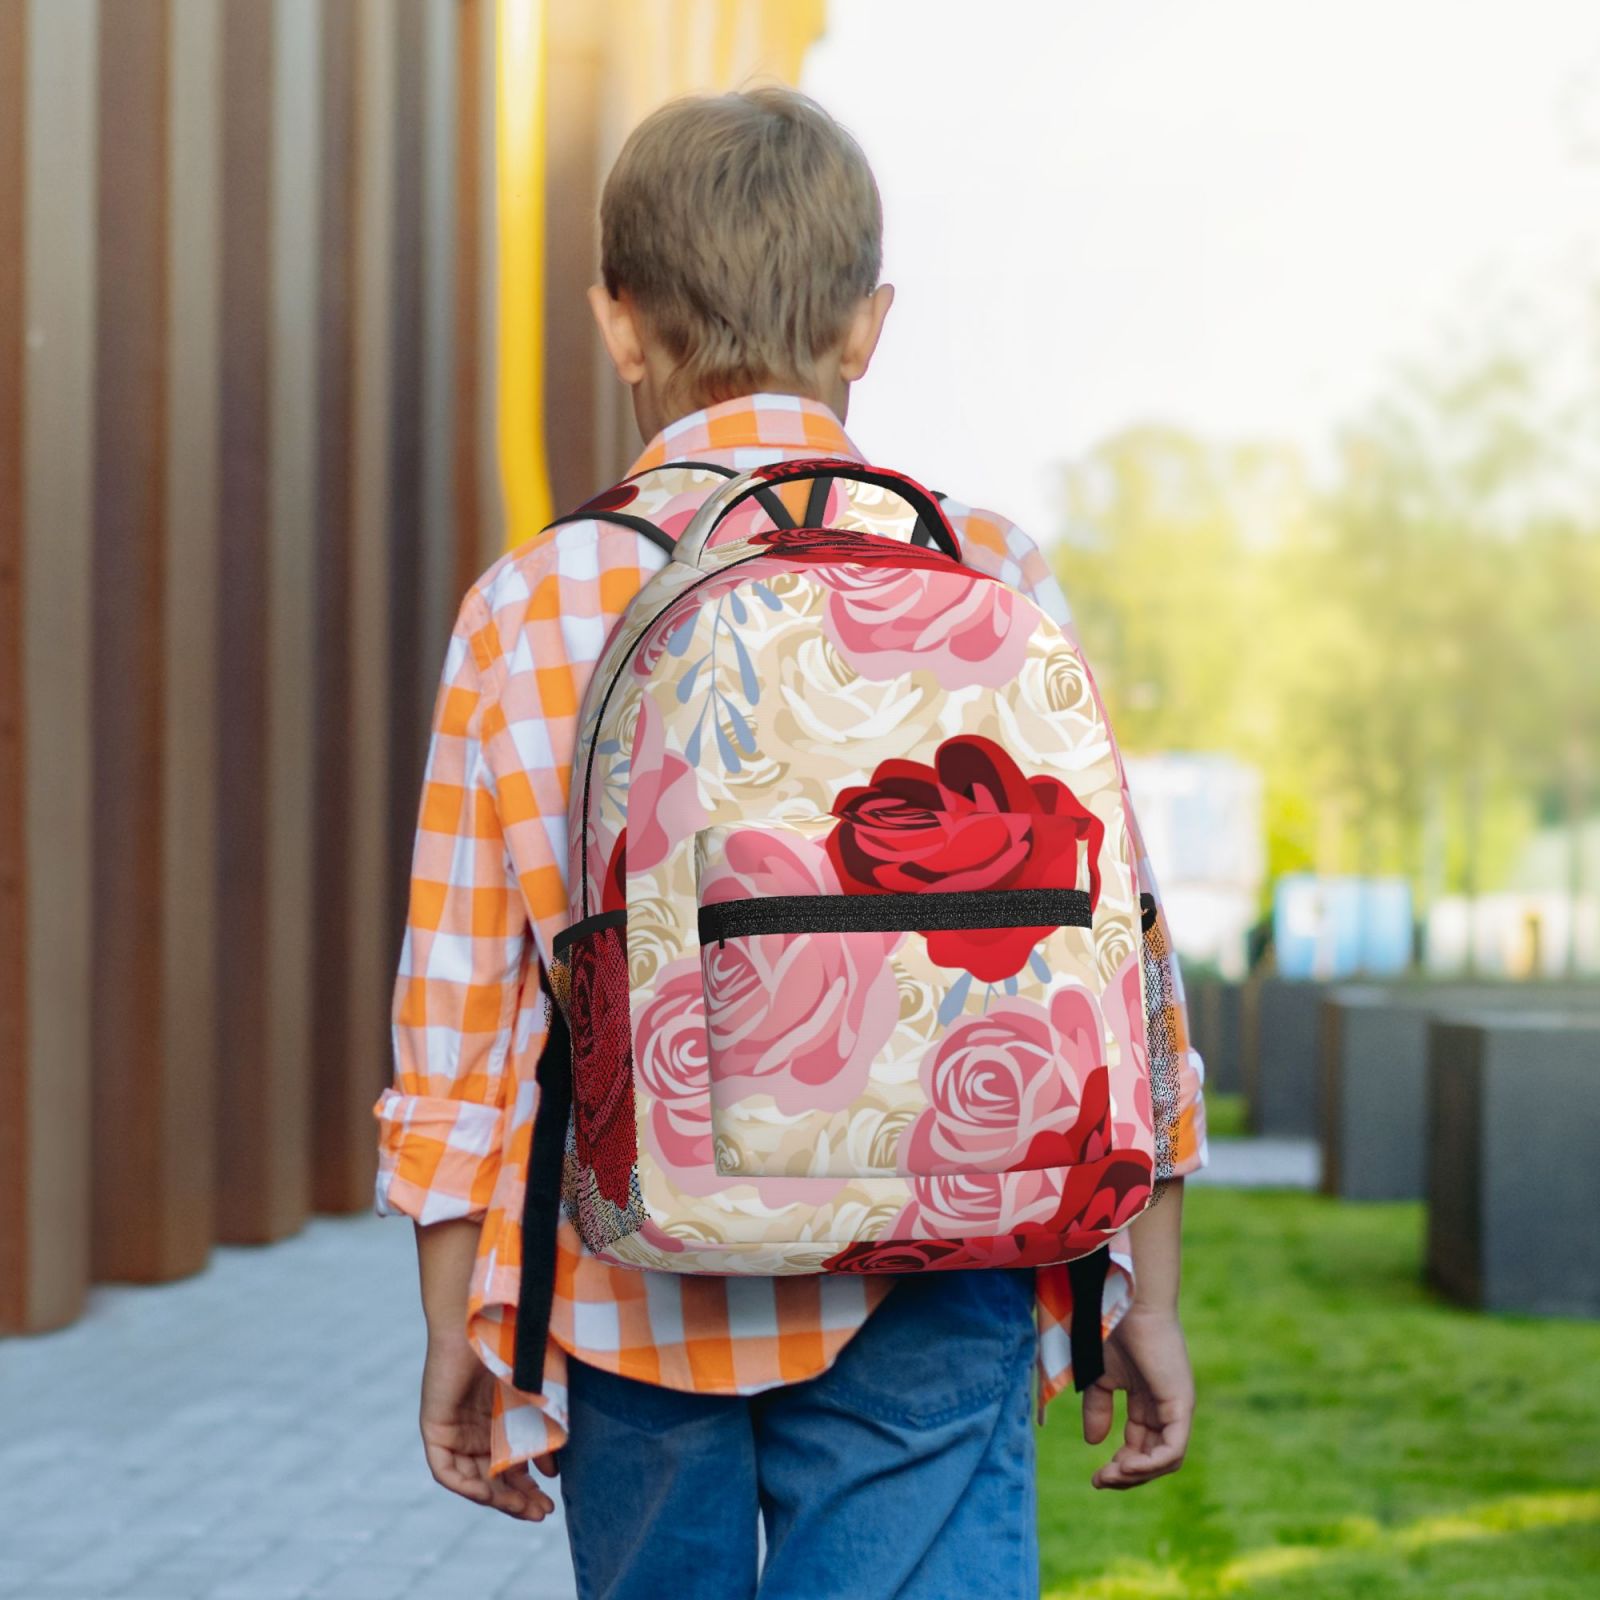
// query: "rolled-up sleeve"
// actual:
[[441, 1120]]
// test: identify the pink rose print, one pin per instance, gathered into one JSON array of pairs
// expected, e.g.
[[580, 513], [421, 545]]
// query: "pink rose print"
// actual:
[[959, 1205], [663, 797], [796, 1016], [887, 621], [1125, 1021], [1093, 1189], [670, 1052], [1003, 1088]]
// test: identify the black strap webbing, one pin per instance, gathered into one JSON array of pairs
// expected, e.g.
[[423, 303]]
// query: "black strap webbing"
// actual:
[[541, 1206], [770, 503], [1087, 1275], [922, 534], [767, 498], [662, 541], [817, 503]]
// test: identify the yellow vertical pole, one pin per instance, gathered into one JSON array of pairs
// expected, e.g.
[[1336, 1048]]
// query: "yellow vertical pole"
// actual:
[[519, 231]]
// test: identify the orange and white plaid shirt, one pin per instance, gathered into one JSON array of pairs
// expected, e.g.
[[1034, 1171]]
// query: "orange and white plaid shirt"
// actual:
[[488, 894]]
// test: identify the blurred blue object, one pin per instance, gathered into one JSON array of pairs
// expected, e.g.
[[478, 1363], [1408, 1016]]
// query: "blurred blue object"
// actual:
[[1341, 927], [1386, 938]]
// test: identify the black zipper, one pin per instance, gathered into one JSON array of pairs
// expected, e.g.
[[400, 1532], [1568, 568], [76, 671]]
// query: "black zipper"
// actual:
[[575, 931], [929, 912]]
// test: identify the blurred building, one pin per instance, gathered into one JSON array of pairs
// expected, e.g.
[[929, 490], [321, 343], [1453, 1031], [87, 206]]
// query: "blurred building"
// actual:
[[1201, 817], [291, 345], [1515, 934]]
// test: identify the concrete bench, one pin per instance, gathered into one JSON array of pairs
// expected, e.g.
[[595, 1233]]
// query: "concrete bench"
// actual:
[[1215, 1019], [1282, 1022], [1374, 1075], [1513, 1183]]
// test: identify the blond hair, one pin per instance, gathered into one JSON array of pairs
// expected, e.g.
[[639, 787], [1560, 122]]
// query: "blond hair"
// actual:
[[746, 227]]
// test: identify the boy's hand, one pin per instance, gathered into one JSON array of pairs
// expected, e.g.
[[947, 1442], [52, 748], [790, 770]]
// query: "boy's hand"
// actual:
[[457, 1394], [1146, 1355]]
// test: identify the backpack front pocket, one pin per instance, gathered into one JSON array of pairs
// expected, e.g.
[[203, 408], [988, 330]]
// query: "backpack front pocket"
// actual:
[[847, 1033]]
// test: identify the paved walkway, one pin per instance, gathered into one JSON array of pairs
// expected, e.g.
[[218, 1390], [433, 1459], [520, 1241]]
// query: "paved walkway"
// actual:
[[1262, 1164], [247, 1434]]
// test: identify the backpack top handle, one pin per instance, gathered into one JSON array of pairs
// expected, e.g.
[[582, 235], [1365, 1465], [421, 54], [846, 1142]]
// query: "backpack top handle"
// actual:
[[930, 515]]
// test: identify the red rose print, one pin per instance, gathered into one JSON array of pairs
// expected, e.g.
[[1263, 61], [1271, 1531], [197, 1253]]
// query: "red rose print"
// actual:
[[614, 891], [899, 1255], [1026, 1247], [602, 1062], [1102, 1196], [844, 544], [970, 821], [624, 494], [1021, 1249]]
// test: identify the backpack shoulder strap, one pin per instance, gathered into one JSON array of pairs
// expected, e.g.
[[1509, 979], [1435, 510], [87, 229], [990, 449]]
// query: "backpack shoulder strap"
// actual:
[[768, 501], [646, 529], [640, 525]]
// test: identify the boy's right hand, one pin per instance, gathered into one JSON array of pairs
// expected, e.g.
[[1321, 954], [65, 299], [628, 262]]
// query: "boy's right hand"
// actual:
[[457, 1402]]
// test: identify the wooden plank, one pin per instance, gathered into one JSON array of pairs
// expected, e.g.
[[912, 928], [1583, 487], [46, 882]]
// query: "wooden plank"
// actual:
[[261, 1172], [342, 1147], [410, 683], [372, 947], [471, 292], [51, 1255], [129, 412], [13, 855], [441, 143], [481, 519], [575, 386], [291, 908], [187, 1199]]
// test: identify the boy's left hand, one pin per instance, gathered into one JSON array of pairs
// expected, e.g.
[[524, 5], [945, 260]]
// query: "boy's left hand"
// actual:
[[1145, 1355]]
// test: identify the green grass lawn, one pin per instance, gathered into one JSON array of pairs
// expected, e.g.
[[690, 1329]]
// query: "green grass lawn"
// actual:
[[1355, 1436], [1226, 1115]]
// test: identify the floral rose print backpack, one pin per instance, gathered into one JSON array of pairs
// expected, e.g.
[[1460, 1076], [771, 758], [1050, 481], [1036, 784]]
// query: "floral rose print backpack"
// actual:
[[853, 979]]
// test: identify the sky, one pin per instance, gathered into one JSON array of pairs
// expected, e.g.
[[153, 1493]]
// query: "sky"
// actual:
[[1231, 215]]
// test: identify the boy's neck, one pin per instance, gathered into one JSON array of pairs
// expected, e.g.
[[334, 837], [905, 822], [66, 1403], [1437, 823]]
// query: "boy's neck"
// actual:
[[653, 417]]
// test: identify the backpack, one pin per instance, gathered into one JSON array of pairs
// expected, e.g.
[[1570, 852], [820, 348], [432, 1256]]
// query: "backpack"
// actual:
[[854, 976]]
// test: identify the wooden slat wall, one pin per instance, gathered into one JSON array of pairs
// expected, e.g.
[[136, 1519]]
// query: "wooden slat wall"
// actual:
[[131, 934], [15, 1061], [258, 1196], [369, 954], [246, 471], [336, 1120], [178, 1228], [586, 447], [47, 1090]]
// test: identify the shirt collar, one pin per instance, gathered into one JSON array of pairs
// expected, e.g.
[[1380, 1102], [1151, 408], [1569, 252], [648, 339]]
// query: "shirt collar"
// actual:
[[782, 424]]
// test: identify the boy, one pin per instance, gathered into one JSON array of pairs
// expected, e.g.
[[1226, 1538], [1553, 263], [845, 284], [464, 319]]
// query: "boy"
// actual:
[[880, 1429]]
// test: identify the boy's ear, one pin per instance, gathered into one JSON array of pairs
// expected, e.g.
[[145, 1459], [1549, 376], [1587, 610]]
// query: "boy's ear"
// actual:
[[619, 332], [866, 328]]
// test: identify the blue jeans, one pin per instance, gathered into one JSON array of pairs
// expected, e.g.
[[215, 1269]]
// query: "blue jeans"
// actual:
[[903, 1472]]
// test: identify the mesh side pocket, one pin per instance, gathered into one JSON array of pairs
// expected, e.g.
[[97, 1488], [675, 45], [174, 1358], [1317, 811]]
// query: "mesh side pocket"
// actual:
[[1162, 1043], [600, 1178]]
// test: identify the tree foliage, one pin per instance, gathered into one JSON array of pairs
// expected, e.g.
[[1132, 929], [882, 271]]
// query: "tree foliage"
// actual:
[[1409, 650]]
